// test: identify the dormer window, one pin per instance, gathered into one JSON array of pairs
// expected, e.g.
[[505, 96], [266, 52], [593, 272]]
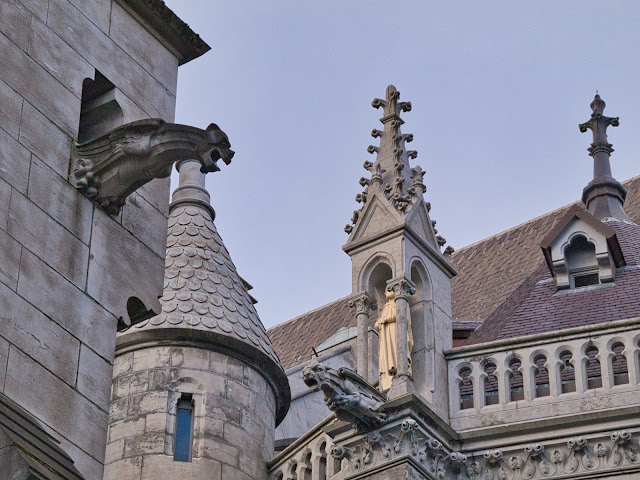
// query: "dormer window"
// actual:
[[581, 250], [581, 262]]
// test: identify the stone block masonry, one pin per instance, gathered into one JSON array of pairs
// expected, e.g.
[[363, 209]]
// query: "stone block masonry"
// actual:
[[233, 408], [66, 268]]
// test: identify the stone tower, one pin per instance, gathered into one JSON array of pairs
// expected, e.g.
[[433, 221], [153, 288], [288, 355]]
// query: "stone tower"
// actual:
[[393, 245], [197, 389], [72, 71]]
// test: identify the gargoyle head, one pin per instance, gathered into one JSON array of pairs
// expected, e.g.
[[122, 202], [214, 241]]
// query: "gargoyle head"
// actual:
[[217, 147], [314, 376]]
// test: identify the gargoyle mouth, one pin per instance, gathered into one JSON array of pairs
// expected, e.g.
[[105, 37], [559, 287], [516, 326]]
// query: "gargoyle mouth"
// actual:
[[310, 381]]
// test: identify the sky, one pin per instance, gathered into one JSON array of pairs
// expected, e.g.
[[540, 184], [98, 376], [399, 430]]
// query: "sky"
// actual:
[[497, 88]]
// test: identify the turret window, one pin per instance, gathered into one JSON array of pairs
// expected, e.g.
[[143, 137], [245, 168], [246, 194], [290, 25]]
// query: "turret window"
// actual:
[[184, 429]]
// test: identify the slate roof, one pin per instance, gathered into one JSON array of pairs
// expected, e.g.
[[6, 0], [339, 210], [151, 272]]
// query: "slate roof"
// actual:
[[202, 289], [536, 306], [491, 270], [495, 276]]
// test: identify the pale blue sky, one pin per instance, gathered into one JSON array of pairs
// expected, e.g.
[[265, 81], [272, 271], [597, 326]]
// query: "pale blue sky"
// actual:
[[498, 90]]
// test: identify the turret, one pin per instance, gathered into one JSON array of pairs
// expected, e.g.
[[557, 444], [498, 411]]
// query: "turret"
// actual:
[[197, 389]]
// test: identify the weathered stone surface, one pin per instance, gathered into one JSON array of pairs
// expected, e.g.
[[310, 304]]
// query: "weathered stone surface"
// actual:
[[146, 223], [147, 402], [163, 466], [64, 303], [74, 417], [4, 356], [113, 62], [127, 428], [14, 162], [5, 197], [145, 444], [144, 47], [10, 252], [157, 422], [214, 449], [60, 200], [114, 451], [38, 336], [58, 58], [45, 140], [15, 22], [127, 469], [94, 377], [97, 11], [55, 101], [37, 7], [114, 277], [232, 473], [156, 193], [10, 110], [59, 248], [88, 466]]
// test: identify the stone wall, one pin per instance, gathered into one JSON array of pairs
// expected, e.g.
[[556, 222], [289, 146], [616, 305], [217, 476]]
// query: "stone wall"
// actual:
[[67, 268], [234, 412]]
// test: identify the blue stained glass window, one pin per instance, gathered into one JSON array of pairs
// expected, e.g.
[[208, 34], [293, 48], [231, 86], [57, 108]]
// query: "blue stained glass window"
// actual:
[[184, 422]]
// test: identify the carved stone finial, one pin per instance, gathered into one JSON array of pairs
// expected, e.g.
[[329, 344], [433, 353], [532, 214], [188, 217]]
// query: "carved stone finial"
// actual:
[[390, 104], [604, 196], [347, 394], [110, 168]]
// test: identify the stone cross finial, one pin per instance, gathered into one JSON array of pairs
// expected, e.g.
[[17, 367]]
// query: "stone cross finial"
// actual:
[[604, 196], [391, 106], [598, 124]]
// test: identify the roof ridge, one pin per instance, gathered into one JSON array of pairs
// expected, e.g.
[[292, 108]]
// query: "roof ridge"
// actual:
[[307, 313], [528, 221]]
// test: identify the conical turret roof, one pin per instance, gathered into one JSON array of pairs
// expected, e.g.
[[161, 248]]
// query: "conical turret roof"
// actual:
[[202, 289]]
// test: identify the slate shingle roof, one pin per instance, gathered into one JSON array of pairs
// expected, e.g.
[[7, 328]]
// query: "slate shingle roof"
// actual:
[[536, 306], [491, 270], [202, 289]]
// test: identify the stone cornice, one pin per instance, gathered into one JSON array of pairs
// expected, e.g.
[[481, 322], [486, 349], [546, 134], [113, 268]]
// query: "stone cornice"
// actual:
[[165, 25]]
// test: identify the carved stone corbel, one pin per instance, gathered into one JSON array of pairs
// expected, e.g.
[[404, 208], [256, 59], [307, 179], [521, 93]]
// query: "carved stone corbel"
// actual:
[[109, 168]]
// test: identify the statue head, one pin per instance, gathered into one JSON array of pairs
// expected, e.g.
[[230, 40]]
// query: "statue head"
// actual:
[[388, 293]]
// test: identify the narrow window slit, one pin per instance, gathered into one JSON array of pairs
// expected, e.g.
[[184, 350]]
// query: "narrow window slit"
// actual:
[[184, 429]]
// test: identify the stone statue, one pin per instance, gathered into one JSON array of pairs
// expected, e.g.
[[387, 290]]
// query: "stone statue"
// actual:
[[386, 327], [347, 394]]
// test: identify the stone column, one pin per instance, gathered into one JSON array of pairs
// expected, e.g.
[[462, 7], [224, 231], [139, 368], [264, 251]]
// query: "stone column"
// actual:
[[363, 304], [402, 288]]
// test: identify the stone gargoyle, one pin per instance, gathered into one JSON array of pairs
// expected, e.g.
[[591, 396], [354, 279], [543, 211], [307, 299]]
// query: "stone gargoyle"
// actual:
[[347, 394], [109, 168]]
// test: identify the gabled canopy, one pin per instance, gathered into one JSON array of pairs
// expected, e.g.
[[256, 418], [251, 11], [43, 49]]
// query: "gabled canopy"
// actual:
[[578, 212]]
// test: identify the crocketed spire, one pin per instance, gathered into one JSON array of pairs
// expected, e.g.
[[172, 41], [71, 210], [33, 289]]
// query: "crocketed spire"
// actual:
[[393, 180]]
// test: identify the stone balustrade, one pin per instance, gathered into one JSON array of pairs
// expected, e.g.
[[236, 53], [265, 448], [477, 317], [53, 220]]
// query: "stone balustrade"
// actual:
[[308, 458], [579, 370]]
